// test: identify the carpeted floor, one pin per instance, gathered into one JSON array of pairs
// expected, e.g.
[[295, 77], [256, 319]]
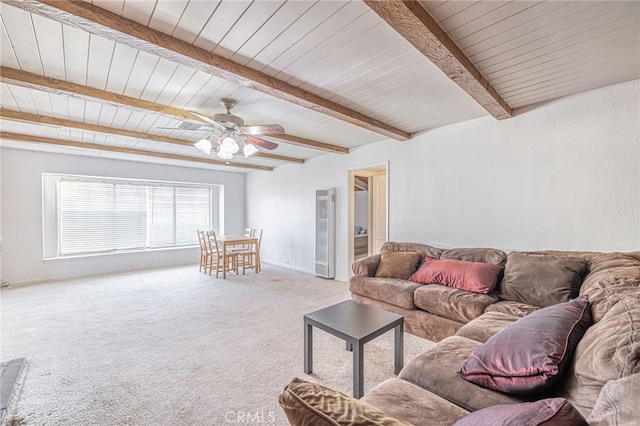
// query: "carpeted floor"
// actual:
[[175, 347]]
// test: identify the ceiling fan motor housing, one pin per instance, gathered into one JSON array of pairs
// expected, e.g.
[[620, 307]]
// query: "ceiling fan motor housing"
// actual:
[[229, 121]]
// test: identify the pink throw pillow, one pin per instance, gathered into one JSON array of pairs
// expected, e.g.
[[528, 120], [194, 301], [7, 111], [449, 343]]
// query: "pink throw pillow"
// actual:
[[476, 277]]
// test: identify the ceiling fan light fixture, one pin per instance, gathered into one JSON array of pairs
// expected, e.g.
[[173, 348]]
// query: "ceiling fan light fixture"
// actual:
[[249, 150], [229, 146], [204, 145], [225, 155]]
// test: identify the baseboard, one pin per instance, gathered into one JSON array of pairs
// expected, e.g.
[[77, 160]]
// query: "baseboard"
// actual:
[[10, 284], [288, 266]]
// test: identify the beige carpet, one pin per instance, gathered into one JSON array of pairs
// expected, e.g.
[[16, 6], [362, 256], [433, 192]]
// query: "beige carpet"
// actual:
[[175, 347]]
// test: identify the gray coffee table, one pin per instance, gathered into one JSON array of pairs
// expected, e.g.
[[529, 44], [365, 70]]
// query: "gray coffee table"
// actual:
[[356, 324]]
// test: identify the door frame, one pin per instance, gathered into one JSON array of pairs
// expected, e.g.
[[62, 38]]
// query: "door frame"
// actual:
[[368, 170]]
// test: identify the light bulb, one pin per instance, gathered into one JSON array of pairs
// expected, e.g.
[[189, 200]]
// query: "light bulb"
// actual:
[[224, 155], [249, 150], [204, 145], [229, 146]]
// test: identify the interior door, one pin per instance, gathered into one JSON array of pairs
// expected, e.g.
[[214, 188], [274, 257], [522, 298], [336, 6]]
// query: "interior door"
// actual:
[[379, 212]]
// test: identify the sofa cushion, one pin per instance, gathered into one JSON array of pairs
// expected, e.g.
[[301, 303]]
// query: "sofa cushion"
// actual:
[[413, 404], [609, 350], [532, 354], [541, 280], [476, 254], [604, 266], [395, 264], [394, 291], [545, 412], [609, 291], [475, 277], [423, 249], [451, 303], [513, 308], [312, 404], [367, 266], [486, 325], [618, 402], [435, 370]]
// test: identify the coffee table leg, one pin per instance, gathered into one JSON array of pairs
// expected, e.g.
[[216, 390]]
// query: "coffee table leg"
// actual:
[[358, 369], [399, 348], [308, 347]]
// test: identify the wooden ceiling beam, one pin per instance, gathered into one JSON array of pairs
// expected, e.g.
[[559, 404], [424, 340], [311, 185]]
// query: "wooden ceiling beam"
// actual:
[[59, 87], [94, 146], [59, 122], [308, 143], [122, 30], [414, 23], [65, 88]]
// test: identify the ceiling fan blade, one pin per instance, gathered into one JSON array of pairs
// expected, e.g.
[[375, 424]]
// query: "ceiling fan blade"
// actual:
[[265, 129], [260, 142], [208, 120]]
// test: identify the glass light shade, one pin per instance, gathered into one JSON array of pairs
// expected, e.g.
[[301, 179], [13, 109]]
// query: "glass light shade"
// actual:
[[229, 146], [204, 145], [249, 150], [224, 155]]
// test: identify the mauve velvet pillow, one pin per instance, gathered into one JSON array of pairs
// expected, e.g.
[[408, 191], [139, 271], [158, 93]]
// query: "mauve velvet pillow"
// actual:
[[398, 264], [475, 277], [531, 354], [545, 412]]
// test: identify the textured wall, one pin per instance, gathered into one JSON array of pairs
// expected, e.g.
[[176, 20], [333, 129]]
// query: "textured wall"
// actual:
[[22, 214], [561, 175]]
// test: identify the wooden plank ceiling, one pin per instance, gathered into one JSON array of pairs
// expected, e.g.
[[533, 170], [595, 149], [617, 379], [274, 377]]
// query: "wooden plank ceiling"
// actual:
[[107, 78]]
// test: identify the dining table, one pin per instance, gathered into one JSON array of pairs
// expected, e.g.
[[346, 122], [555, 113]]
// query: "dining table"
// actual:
[[229, 241]]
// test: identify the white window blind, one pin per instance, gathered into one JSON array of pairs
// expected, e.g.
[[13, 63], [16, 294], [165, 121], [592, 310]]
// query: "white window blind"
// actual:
[[99, 215]]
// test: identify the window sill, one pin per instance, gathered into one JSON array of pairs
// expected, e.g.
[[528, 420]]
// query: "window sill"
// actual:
[[115, 253]]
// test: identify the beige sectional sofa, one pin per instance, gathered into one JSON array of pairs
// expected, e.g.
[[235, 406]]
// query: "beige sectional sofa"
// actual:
[[600, 382]]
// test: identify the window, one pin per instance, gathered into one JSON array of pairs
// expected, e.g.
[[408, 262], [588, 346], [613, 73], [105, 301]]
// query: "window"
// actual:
[[88, 215]]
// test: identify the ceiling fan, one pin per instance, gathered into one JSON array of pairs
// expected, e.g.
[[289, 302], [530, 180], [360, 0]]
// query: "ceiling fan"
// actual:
[[231, 135]]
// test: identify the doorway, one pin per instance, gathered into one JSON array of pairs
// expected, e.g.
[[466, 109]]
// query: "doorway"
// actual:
[[367, 211]]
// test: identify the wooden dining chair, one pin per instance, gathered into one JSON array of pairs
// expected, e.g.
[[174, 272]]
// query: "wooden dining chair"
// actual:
[[205, 252], [250, 258], [248, 232], [217, 256]]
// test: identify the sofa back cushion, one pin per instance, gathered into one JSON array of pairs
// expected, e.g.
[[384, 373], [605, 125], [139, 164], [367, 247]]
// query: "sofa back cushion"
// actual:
[[607, 266], [609, 350], [423, 249], [541, 280], [476, 254], [604, 294]]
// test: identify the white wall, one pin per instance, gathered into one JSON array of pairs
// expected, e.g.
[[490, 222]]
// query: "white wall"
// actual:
[[22, 213], [562, 175]]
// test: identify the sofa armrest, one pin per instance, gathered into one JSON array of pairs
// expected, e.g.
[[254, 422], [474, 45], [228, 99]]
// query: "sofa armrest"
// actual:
[[366, 267], [311, 404]]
